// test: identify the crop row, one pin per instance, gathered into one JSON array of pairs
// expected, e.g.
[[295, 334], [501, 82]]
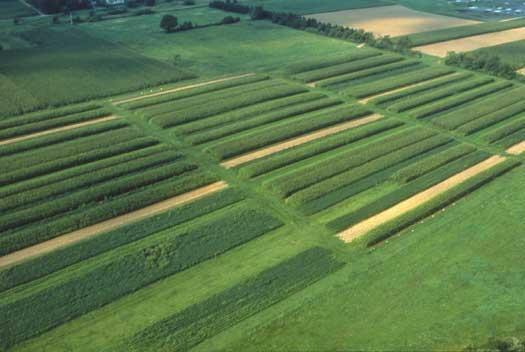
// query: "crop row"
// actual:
[[332, 165], [319, 63], [506, 130], [512, 139], [74, 292], [460, 99], [186, 93], [425, 87], [235, 116], [492, 119], [349, 67], [375, 72], [470, 113], [262, 120], [407, 191], [104, 210], [63, 257], [412, 102], [205, 109], [290, 156], [187, 328], [382, 86], [410, 218], [289, 129], [348, 177]]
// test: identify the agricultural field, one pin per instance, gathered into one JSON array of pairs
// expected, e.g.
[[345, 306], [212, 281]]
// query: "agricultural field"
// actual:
[[313, 6], [252, 187], [511, 53], [10, 9]]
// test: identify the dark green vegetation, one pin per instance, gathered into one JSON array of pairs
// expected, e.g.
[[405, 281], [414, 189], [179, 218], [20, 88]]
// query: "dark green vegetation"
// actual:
[[313, 6], [512, 54], [10, 9]]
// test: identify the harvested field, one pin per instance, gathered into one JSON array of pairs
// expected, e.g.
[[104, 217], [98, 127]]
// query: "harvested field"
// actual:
[[391, 20], [371, 223], [55, 130], [517, 149], [90, 231], [473, 43], [298, 141]]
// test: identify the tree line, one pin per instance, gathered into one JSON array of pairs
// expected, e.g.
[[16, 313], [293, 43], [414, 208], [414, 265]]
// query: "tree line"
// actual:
[[483, 62]]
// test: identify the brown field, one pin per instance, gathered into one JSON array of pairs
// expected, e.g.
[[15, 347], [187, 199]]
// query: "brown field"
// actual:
[[391, 20], [473, 43], [517, 149]]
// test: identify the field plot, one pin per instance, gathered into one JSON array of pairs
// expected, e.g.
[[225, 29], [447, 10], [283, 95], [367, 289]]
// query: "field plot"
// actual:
[[61, 182], [391, 20], [314, 6], [510, 53]]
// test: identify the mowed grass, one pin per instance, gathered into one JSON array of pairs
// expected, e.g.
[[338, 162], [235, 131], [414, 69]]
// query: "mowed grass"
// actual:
[[243, 47], [440, 285]]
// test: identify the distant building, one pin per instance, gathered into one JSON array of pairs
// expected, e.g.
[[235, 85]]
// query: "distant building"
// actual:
[[113, 2]]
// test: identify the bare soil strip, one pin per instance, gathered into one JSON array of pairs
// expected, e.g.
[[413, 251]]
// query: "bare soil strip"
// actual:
[[298, 141], [375, 221], [108, 225], [473, 43], [174, 90], [59, 129], [367, 99], [517, 149]]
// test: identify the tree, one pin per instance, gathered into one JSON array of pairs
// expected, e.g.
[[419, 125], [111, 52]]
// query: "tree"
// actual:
[[169, 23]]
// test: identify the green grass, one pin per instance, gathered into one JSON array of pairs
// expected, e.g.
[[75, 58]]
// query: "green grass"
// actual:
[[314, 6], [10, 9], [510, 53]]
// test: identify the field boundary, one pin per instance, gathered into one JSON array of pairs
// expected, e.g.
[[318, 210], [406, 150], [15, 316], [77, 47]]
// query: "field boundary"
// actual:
[[294, 142], [111, 224], [517, 149], [415, 201]]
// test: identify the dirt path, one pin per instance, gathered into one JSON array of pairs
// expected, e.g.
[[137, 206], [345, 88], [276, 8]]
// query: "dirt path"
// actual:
[[59, 129], [174, 90], [517, 149], [298, 141], [473, 43], [405, 206], [108, 225]]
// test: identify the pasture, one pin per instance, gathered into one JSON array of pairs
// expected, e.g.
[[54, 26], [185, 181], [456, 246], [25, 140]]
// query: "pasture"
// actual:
[[391, 20]]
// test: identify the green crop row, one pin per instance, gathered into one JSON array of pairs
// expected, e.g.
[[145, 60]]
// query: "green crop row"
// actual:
[[31, 171], [492, 119], [470, 113], [506, 130], [262, 120], [315, 64], [345, 178], [91, 284], [186, 93], [185, 329], [35, 268], [460, 99], [387, 69], [204, 110], [410, 218], [332, 165], [407, 191], [287, 157], [55, 138], [434, 95], [382, 86], [238, 115], [89, 180], [291, 128], [109, 208], [427, 165], [432, 85], [511, 140], [46, 115], [52, 123]]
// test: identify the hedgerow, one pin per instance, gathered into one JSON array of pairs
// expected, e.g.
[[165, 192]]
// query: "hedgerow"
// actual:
[[332, 165], [63, 257], [410, 218], [287, 157], [506, 130], [319, 63], [492, 119], [186, 328], [186, 93], [91, 284], [31, 171], [109, 208], [434, 95], [431, 163], [262, 120], [458, 100], [420, 184], [289, 129], [438, 83]]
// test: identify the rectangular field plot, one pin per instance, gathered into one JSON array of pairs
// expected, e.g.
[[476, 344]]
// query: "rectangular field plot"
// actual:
[[65, 181]]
